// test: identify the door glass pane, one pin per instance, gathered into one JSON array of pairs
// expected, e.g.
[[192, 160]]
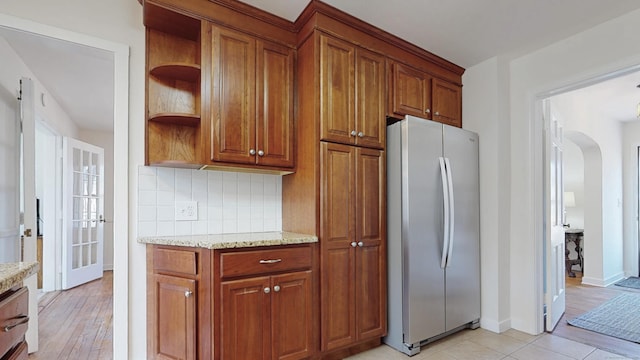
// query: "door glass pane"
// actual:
[[86, 254], [77, 234], [86, 161], [77, 160], [94, 231], [94, 161], [93, 188], [77, 208], [94, 253], [77, 251], [85, 232]]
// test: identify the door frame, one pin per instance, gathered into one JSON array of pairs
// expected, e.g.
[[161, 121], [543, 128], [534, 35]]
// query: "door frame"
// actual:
[[121, 167], [537, 136]]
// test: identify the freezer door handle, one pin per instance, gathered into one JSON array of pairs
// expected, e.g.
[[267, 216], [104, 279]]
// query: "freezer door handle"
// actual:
[[452, 217], [445, 200]]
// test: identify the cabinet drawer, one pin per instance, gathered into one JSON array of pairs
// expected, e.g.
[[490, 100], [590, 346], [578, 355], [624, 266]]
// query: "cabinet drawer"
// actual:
[[175, 261], [14, 318], [241, 263], [19, 352]]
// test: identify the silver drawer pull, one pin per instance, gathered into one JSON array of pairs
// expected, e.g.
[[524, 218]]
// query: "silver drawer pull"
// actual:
[[270, 261], [25, 319]]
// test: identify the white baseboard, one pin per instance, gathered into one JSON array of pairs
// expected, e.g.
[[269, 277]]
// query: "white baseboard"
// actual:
[[603, 282], [495, 326], [107, 267]]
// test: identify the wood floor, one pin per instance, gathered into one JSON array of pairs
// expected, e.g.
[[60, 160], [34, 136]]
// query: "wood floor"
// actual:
[[77, 323], [582, 298]]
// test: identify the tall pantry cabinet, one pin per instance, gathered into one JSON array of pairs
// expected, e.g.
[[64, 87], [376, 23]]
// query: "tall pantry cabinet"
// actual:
[[341, 137]]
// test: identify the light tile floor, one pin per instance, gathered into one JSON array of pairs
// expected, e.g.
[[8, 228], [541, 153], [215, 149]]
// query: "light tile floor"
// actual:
[[485, 345]]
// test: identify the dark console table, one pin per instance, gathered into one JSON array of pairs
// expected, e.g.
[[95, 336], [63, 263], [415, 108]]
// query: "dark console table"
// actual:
[[573, 237]]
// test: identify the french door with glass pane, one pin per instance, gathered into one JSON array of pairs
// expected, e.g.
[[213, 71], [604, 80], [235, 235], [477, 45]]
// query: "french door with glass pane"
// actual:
[[83, 196]]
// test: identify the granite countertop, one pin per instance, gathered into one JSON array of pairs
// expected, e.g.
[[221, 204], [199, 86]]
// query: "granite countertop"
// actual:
[[12, 274], [229, 241]]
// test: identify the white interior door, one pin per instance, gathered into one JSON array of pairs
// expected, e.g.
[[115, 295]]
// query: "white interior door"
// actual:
[[83, 209], [28, 201], [554, 234]]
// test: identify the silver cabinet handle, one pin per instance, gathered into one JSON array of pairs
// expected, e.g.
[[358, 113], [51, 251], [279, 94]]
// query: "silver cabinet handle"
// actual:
[[428, 111], [24, 320], [353, 133], [354, 244], [270, 261], [276, 288], [437, 113], [267, 290], [260, 153], [360, 243], [360, 134], [188, 293], [252, 152]]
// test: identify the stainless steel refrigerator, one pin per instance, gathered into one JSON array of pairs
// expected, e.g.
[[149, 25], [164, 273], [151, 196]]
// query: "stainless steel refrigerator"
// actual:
[[433, 232]]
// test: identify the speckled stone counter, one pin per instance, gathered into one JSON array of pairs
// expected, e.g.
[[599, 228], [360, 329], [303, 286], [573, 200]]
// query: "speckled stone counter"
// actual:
[[12, 274], [230, 241]]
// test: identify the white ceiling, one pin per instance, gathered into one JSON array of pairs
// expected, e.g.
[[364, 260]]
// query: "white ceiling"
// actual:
[[465, 32], [79, 77]]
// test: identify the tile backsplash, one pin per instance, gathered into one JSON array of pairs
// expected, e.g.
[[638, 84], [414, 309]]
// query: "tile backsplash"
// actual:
[[227, 202]]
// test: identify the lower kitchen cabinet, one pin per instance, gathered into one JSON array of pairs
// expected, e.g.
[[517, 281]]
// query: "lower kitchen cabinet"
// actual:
[[175, 315], [178, 304], [234, 304], [266, 303], [267, 317]]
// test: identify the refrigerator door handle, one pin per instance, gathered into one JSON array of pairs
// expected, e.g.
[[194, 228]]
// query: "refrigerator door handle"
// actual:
[[452, 218], [445, 200]]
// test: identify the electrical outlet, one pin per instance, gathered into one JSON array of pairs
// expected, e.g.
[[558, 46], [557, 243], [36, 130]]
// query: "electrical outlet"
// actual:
[[186, 210]]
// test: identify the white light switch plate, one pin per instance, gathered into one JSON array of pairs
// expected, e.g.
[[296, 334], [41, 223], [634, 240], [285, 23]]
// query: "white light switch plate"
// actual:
[[186, 210]]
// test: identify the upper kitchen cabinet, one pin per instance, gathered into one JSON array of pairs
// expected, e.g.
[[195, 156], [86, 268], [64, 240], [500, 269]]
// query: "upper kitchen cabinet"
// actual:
[[173, 87], [418, 93], [352, 106], [252, 100], [220, 86]]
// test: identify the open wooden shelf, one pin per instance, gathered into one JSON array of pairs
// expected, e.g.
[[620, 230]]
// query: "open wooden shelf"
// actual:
[[180, 71], [176, 119]]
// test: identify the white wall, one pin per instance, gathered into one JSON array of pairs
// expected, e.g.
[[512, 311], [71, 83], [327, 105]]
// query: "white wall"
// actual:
[[602, 244], [592, 53], [105, 141], [484, 100], [631, 142], [12, 69], [574, 182]]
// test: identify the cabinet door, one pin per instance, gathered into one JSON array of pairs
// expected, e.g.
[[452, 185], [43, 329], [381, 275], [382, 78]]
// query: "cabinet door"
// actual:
[[274, 86], [370, 274], [411, 92], [233, 102], [291, 317], [337, 235], [245, 319], [370, 97], [175, 317], [337, 90], [447, 103]]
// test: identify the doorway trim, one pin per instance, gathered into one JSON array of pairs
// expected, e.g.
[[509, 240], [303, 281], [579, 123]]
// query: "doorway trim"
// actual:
[[121, 165], [537, 141]]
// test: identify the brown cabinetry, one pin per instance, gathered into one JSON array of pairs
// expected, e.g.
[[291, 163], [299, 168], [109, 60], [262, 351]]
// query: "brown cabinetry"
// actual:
[[266, 304], [252, 100], [352, 94], [14, 319], [217, 96], [417, 93], [352, 234], [177, 303], [173, 88]]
